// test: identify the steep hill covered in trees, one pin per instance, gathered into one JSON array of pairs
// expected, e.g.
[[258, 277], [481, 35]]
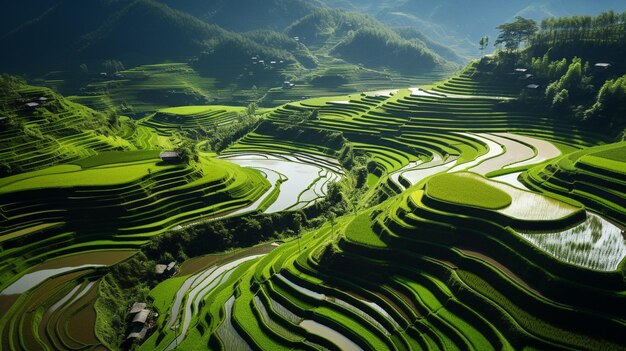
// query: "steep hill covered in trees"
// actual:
[[245, 15], [74, 32], [574, 66], [364, 40]]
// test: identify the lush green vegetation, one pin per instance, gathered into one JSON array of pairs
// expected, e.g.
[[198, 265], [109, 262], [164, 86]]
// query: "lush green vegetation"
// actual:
[[593, 176], [461, 189], [406, 56], [191, 60], [571, 64], [355, 221], [112, 157]]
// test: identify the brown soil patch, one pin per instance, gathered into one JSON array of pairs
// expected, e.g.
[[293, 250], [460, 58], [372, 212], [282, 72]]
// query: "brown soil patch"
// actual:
[[82, 322], [395, 306], [407, 300], [6, 301], [197, 264], [108, 258]]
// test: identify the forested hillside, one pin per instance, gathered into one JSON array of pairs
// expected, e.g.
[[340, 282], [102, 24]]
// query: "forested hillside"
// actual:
[[246, 15], [574, 65], [75, 32], [262, 46]]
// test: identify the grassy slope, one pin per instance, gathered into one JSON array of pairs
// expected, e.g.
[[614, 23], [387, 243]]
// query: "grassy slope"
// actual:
[[464, 190]]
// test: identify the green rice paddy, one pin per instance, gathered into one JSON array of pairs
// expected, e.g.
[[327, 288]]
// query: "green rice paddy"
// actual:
[[465, 190]]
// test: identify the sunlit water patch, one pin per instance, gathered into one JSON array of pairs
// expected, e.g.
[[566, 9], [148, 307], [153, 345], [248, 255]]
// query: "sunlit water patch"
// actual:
[[596, 244], [416, 174], [227, 332], [31, 280], [196, 288], [304, 177], [330, 334]]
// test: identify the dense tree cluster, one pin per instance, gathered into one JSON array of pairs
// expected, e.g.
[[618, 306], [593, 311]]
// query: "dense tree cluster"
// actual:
[[515, 33], [610, 104], [579, 62], [547, 70], [391, 51], [608, 27], [223, 136], [574, 85], [601, 38], [109, 66], [317, 26]]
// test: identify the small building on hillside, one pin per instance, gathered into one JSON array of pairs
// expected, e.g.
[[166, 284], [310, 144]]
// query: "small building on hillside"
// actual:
[[42, 100], [533, 89], [171, 156], [141, 322], [31, 105], [526, 76], [602, 65], [288, 85], [533, 86], [141, 317], [136, 307]]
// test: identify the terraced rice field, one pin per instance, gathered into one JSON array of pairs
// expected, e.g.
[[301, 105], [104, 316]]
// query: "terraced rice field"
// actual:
[[55, 131], [68, 209], [593, 176], [596, 244], [499, 229], [409, 292], [152, 87], [167, 121], [58, 308], [441, 264]]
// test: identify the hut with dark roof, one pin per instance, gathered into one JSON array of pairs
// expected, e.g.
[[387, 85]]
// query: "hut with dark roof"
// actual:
[[141, 317]]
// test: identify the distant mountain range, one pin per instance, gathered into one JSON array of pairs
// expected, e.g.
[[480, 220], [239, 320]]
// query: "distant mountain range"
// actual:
[[76, 31], [246, 15], [38, 36], [220, 35]]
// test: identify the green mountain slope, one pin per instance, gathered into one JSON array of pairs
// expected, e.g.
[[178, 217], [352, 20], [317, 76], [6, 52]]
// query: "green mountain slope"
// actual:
[[364, 40], [245, 15], [74, 32]]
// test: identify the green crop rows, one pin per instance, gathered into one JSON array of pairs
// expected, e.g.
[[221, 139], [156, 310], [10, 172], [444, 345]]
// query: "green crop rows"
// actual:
[[443, 261], [440, 266]]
